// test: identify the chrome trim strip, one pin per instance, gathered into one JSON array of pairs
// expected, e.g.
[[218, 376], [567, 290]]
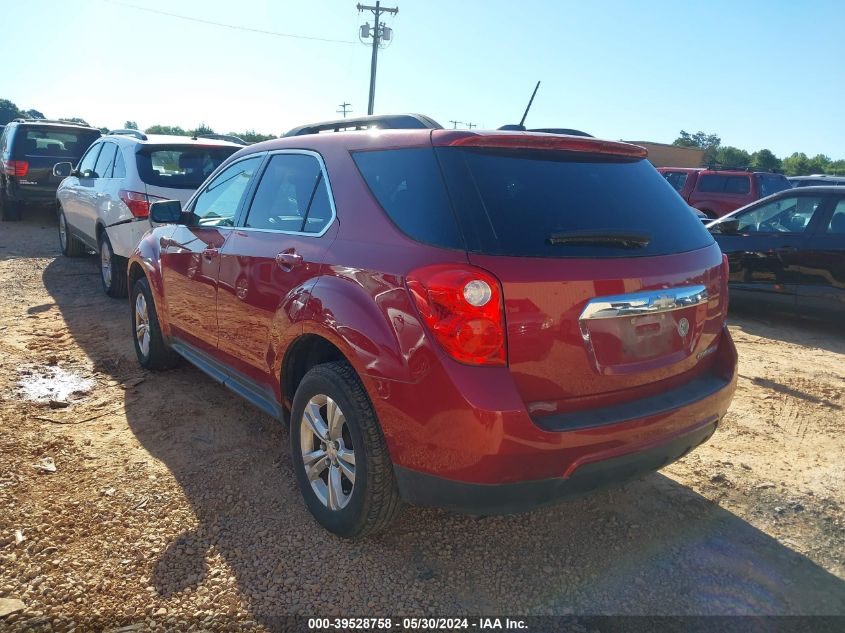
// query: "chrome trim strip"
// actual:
[[650, 302]]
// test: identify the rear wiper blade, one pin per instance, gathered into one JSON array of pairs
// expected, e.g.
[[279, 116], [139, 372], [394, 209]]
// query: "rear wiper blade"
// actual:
[[622, 239]]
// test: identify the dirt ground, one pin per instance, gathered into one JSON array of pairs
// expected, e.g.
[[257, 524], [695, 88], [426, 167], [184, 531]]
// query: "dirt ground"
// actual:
[[174, 501]]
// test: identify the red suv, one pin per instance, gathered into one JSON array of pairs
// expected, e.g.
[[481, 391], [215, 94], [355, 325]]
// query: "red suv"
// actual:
[[717, 192], [484, 321]]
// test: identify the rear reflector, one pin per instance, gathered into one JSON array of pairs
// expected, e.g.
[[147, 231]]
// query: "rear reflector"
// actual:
[[529, 140], [463, 309], [17, 168], [138, 203]]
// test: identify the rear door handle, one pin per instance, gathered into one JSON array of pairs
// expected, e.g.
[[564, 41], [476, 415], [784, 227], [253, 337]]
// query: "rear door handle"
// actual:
[[210, 253], [288, 260]]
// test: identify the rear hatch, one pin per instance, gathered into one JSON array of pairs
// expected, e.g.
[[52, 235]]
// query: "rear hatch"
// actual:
[[175, 171], [610, 283], [612, 288], [41, 147]]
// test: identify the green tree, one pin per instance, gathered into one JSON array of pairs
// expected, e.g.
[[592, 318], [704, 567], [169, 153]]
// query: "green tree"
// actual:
[[728, 156], [166, 129], [8, 111], [251, 136], [130, 125], [202, 128], [708, 142], [796, 165], [34, 114], [74, 119], [837, 167], [819, 164], [765, 160]]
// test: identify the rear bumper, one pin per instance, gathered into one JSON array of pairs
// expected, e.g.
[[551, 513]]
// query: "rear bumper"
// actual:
[[427, 490], [33, 194], [470, 444]]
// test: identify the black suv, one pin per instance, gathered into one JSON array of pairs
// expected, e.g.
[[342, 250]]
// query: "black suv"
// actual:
[[28, 150]]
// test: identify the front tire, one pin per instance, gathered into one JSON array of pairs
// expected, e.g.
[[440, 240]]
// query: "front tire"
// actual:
[[339, 454], [112, 269], [71, 247], [150, 348]]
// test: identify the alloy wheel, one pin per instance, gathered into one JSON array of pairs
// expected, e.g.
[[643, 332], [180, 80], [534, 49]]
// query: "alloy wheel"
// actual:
[[327, 452], [105, 263], [142, 324]]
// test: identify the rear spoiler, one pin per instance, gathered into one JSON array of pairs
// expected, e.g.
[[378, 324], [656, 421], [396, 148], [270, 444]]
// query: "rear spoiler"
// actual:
[[533, 140]]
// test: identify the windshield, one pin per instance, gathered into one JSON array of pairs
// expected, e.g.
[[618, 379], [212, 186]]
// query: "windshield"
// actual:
[[180, 167]]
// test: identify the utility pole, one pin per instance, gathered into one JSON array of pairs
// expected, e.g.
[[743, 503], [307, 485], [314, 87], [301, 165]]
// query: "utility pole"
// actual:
[[380, 32], [344, 108], [455, 124], [471, 125]]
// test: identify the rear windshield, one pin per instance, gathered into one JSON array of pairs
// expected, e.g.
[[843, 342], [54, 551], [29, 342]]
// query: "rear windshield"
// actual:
[[772, 184], [518, 202], [180, 166], [53, 142]]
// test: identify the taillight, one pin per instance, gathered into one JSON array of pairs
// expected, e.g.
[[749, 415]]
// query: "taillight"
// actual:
[[462, 307], [726, 270], [138, 203], [17, 168]]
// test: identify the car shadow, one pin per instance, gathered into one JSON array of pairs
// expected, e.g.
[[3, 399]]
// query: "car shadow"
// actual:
[[809, 332], [653, 546]]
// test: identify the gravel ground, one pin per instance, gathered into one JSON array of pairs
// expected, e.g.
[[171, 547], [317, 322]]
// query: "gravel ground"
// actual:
[[173, 502]]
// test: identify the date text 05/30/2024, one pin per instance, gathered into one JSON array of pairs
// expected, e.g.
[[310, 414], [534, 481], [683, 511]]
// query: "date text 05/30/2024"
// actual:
[[413, 624]]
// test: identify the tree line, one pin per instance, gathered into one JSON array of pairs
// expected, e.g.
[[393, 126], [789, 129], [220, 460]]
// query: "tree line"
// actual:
[[9, 112], [796, 164]]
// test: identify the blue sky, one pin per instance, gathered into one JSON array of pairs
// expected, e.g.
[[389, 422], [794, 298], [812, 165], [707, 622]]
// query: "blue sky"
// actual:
[[760, 74]]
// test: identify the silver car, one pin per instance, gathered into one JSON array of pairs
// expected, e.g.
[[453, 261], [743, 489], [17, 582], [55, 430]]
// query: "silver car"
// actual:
[[104, 203]]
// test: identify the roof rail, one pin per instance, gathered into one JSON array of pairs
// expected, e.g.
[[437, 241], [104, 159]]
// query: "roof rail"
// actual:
[[744, 168], [380, 121], [136, 133], [222, 137], [59, 121]]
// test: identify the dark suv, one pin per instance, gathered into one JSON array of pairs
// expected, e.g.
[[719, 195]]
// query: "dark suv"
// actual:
[[717, 192], [29, 148], [486, 321]]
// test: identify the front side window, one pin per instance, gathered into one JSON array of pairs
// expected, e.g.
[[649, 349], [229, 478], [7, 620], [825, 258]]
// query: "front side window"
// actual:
[[86, 165], [677, 179], [771, 184], [292, 196], [787, 215], [219, 201], [105, 161]]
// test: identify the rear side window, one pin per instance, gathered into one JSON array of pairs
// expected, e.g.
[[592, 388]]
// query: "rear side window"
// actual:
[[103, 168], [521, 203], [53, 142], [179, 166], [292, 196], [713, 183], [408, 185]]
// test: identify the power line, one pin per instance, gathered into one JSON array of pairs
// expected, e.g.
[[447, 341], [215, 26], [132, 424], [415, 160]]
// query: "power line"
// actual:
[[227, 26], [344, 108]]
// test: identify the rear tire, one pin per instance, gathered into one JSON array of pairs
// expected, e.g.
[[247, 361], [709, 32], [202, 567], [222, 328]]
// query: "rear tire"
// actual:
[[346, 439], [112, 269], [10, 210], [152, 352], [71, 247]]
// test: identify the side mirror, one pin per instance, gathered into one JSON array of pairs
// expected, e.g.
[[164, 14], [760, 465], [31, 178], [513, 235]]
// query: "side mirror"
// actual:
[[62, 170], [166, 212], [726, 227]]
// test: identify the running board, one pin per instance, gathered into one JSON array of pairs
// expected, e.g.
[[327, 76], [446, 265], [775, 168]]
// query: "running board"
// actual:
[[245, 387]]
